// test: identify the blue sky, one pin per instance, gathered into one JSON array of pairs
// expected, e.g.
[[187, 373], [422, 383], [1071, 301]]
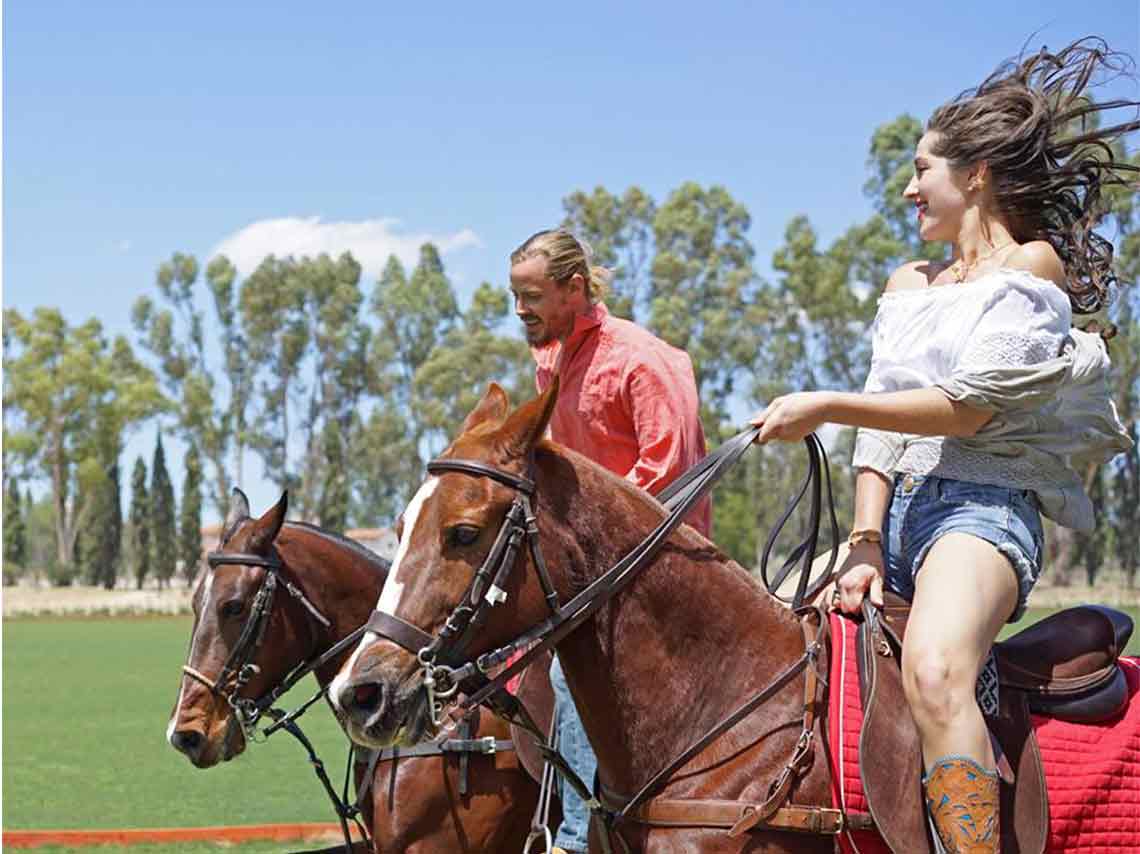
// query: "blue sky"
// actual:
[[134, 130]]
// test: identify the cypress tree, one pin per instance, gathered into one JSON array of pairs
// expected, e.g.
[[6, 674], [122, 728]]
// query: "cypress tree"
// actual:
[[190, 517], [100, 541], [15, 536], [140, 524], [164, 540]]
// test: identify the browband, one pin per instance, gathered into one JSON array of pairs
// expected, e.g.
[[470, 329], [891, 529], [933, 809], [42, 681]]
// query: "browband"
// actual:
[[522, 484]]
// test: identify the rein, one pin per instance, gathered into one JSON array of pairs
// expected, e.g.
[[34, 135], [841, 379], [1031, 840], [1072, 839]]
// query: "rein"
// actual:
[[441, 655]]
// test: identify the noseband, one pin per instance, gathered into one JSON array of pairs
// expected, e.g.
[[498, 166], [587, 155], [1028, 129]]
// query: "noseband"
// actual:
[[238, 669]]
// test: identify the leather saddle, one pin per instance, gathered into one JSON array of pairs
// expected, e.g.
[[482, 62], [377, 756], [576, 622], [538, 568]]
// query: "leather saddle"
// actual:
[[1065, 666]]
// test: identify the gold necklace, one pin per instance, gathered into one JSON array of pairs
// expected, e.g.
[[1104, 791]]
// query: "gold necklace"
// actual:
[[961, 269]]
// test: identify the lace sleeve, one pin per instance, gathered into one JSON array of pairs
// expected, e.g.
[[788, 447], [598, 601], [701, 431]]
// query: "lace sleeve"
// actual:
[[1012, 358], [1018, 327]]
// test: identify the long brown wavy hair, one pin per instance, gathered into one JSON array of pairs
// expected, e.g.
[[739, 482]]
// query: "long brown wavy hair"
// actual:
[[1038, 129]]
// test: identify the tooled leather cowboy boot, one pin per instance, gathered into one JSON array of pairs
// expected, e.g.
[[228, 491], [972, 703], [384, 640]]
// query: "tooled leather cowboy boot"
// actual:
[[964, 804]]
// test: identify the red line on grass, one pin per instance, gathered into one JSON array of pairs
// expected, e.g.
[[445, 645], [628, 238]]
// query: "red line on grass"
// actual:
[[236, 833]]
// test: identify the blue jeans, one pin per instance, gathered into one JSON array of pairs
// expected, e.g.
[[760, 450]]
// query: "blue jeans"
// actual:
[[924, 508], [574, 832]]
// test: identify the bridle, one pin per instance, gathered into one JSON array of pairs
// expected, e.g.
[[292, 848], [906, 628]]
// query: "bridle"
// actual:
[[442, 657], [239, 669], [487, 589]]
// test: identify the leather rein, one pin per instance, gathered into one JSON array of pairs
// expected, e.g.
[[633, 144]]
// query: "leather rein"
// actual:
[[446, 668]]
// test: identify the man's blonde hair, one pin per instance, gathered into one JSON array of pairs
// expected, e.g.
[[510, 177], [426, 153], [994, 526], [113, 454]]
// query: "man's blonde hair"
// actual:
[[565, 255]]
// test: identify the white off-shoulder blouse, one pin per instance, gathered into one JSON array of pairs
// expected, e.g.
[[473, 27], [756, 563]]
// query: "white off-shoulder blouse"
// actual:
[[1004, 343]]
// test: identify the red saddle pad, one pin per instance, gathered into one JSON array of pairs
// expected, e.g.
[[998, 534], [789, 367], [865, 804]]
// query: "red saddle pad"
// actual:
[[1092, 771]]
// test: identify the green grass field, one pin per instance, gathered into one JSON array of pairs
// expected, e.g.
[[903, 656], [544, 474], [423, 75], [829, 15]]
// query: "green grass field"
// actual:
[[86, 704], [85, 708]]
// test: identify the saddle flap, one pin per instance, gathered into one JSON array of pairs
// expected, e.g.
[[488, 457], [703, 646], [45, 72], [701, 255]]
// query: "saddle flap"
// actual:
[[890, 752], [890, 758], [1025, 805]]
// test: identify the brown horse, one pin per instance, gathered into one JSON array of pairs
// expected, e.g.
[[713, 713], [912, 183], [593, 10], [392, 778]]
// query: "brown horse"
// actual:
[[692, 639], [414, 803]]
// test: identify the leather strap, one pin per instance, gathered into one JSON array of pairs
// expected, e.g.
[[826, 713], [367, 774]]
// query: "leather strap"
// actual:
[[486, 746], [402, 632], [726, 814], [522, 484]]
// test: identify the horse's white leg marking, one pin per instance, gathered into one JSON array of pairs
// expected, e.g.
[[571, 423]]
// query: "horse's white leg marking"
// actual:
[[393, 589], [209, 581]]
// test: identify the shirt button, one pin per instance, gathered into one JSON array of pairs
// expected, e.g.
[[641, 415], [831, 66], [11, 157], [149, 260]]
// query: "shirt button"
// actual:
[[908, 483]]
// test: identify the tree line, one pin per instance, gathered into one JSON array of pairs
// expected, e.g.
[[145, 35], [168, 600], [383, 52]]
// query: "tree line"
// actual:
[[342, 390]]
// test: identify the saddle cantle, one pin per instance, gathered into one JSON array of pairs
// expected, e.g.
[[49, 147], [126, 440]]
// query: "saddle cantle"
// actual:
[[1064, 666]]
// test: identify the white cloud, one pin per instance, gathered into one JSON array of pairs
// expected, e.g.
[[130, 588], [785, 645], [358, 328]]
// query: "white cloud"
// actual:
[[370, 241]]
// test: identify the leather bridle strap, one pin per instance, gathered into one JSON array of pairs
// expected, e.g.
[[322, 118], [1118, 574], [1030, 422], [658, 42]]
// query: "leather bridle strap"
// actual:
[[583, 606], [445, 464], [401, 632]]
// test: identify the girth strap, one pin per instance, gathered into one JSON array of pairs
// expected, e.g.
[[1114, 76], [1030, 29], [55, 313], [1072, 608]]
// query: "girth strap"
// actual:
[[486, 746], [728, 814]]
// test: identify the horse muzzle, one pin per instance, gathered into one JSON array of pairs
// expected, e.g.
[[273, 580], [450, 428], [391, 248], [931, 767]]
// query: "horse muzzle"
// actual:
[[377, 712]]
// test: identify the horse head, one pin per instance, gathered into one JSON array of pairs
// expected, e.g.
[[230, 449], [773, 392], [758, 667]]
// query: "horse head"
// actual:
[[234, 616], [445, 535]]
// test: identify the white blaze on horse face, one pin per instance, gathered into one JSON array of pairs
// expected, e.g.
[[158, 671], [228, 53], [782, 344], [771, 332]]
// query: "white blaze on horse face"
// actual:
[[208, 580], [393, 589]]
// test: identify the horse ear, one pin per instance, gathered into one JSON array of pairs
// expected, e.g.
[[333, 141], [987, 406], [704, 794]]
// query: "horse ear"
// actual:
[[527, 424], [494, 405], [239, 509], [268, 525]]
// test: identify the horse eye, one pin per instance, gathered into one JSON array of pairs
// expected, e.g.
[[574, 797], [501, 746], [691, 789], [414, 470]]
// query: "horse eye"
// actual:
[[464, 535], [233, 608]]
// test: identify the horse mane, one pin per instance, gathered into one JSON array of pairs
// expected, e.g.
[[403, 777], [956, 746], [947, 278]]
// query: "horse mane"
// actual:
[[380, 564]]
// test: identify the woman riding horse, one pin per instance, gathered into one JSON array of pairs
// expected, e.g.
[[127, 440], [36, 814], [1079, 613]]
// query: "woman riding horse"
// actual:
[[983, 407]]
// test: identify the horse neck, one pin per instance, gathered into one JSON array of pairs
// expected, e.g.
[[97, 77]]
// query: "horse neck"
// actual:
[[690, 639], [341, 584]]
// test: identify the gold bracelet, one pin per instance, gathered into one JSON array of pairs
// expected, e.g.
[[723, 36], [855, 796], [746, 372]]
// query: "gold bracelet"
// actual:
[[864, 535]]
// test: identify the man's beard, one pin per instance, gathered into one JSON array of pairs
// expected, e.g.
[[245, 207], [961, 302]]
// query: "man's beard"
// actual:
[[539, 336]]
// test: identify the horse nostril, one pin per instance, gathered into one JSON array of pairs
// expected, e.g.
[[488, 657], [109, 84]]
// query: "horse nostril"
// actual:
[[366, 697], [187, 741]]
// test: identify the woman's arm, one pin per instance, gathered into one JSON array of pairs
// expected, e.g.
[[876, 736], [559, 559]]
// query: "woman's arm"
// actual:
[[862, 572], [924, 411], [872, 495]]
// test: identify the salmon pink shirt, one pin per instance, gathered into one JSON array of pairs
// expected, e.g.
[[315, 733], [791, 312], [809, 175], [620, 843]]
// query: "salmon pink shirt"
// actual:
[[627, 400]]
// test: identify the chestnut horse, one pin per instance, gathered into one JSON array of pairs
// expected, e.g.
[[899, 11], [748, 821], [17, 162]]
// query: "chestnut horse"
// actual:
[[692, 639], [414, 804]]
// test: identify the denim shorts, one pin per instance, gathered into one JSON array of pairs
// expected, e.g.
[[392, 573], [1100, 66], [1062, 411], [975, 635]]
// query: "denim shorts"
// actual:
[[924, 508]]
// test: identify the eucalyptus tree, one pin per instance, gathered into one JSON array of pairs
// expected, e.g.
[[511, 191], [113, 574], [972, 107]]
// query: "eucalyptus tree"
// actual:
[[60, 382]]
